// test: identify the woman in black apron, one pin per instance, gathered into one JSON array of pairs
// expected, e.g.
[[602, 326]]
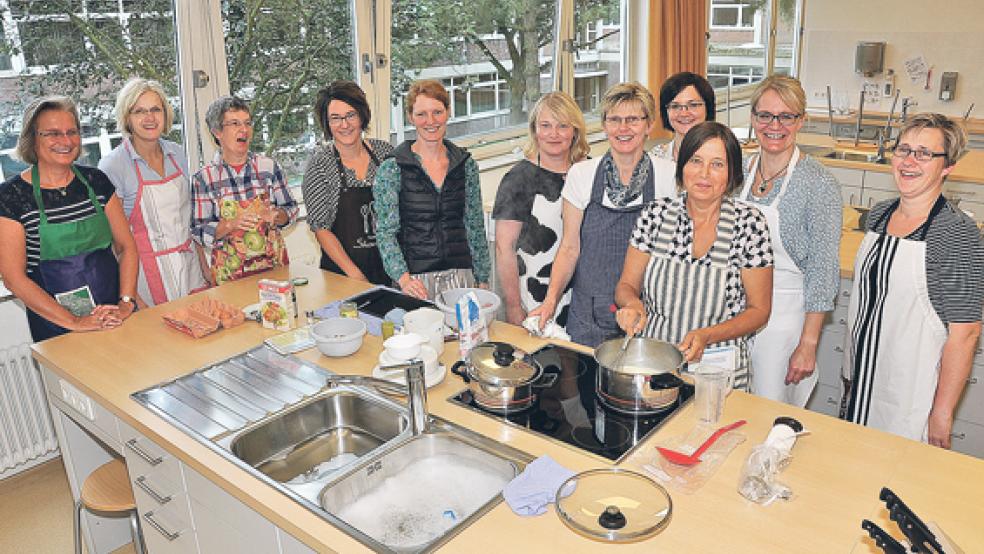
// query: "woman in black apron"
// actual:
[[338, 181], [602, 199], [698, 271], [59, 225]]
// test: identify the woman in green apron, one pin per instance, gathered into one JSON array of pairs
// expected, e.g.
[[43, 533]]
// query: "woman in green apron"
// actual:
[[59, 227]]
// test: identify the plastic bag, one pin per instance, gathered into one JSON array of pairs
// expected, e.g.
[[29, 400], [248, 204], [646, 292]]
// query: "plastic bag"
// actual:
[[689, 479]]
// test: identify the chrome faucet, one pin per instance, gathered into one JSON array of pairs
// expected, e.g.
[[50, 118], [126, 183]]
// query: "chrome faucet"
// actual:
[[857, 130], [415, 390], [907, 103]]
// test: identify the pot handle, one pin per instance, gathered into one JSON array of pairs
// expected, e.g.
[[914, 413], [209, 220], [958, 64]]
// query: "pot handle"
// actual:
[[662, 381], [456, 369], [545, 381]]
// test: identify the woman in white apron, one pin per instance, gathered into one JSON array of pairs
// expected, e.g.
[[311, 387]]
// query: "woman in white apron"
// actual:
[[698, 271], [915, 313], [151, 177], [801, 200]]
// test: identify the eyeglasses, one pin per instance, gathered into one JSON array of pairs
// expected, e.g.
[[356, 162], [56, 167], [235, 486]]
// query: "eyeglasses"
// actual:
[[766, 118], [336, 120], [237, 124], [902, 152], [142, 112], [629, 120], [689, 106], [71, 133]]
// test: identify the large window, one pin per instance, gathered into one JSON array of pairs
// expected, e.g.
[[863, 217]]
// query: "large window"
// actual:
[[598, 63], [739, 49], [85, 49]]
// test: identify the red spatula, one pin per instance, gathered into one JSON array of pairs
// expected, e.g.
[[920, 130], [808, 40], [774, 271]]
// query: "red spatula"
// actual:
[[691, 459]]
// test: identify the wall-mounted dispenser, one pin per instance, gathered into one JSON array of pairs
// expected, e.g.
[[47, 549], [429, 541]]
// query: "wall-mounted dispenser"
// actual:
[[869, 58], [948, 86]]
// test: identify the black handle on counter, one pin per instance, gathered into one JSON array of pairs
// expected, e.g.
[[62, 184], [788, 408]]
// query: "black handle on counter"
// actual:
[[919, 535], [882, 539], [456, 369]]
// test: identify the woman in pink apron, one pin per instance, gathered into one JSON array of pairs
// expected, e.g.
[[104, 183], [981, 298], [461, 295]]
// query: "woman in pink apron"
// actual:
[[915, 312], [150, 174]]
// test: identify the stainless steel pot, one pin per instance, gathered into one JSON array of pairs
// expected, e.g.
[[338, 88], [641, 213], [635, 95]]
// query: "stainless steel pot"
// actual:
[[646, 380], [501, 377]]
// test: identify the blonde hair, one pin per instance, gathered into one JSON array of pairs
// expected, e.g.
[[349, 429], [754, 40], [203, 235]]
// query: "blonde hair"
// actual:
[[430, 88], [27, 141], [629, 92], [129, 95], [566, 111], [789, 89], [954, 135]]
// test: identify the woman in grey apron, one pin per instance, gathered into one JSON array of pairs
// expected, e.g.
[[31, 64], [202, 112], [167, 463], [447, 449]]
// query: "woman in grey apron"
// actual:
[[71, 281], [602, 199], [337, 184], [698, 271]]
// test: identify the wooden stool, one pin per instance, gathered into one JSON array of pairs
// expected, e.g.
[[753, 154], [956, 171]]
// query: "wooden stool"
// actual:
[[107, 490]]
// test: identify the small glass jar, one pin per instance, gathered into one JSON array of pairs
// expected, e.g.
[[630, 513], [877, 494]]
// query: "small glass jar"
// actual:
[[349, 309], [389, 328]]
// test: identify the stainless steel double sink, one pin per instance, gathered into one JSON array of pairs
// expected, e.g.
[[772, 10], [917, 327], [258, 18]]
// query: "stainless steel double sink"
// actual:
[[345, 451]]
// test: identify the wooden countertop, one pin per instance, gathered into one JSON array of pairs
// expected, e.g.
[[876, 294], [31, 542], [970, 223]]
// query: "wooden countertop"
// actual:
[[974, 125], [837, 471]]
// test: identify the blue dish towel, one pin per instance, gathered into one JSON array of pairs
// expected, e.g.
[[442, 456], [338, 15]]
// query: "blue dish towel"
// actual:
[[530, 492]]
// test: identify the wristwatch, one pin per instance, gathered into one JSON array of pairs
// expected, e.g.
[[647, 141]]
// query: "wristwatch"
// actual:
[[128, 300]]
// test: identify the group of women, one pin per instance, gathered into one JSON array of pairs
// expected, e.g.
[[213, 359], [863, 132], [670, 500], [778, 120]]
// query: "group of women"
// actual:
[[690, 243]]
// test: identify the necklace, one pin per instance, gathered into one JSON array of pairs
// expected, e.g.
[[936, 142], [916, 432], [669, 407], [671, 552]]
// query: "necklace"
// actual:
[[764, 185]]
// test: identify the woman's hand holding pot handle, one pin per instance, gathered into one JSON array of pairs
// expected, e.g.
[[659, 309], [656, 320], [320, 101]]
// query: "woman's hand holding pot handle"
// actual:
[[693, 344]]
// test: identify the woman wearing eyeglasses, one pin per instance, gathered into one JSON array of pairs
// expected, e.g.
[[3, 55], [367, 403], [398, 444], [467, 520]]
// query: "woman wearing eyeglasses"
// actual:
[[915, 312], [337, 184], [60, 224], [241, 200], [698, 271], [602, 199], [685, 99], [801, 201], [151, 177]]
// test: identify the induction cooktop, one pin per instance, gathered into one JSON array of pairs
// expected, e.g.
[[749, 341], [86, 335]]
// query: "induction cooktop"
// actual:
[[570, 411]]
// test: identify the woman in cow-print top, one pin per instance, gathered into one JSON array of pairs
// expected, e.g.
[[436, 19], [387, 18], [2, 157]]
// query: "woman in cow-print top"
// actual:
[[528, 205]]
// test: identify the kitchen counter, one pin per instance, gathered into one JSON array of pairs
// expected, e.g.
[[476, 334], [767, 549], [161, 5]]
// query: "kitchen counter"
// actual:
[[836, 473]]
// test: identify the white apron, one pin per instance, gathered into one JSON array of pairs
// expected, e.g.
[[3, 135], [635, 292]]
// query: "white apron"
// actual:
[[893, 352], [161, 224], [772, 347]]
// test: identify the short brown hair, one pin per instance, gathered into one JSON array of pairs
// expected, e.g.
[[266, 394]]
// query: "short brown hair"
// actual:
[[429, 88], [28, 139], [566, 110], [697, 136], [343, 91], [954, 135]]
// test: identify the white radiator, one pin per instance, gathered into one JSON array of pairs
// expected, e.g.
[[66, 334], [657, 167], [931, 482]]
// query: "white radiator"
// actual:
[[26, 435]]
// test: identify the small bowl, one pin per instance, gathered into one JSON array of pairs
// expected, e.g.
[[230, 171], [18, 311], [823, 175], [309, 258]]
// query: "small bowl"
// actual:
[[428, 355], [404, 347], [339, 336]]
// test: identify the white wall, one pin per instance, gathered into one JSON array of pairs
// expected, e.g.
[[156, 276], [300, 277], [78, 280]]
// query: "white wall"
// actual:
[[949, 34]]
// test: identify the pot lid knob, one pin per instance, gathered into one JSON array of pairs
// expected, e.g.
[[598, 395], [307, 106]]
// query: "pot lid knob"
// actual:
[[504, 354], [612, 518]]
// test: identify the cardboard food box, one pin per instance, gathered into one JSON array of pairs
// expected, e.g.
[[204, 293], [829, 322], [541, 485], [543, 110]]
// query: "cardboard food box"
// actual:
[[277, 304]]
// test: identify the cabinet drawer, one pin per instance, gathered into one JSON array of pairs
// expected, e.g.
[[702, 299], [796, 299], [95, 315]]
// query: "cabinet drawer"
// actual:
[[971, 407], [157, 496], [164, 534], [290, 545], [830, 356], [89, 413], [146, 458], [967, 438], [223, 523], [847, 177], [880, 181], [826, 400]]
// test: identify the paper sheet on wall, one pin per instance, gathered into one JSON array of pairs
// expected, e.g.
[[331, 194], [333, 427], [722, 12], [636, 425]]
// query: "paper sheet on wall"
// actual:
[[916, 68]]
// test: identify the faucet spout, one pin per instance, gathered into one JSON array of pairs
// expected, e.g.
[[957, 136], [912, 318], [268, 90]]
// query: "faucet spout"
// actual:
[[416, 394]]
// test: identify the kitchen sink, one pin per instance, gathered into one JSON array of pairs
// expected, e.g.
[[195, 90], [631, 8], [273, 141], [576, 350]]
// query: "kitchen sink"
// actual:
[[298, 442], [418, 495], [854, 156]]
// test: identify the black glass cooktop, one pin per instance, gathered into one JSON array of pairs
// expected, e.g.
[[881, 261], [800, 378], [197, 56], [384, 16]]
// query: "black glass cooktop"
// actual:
[[569, 410]]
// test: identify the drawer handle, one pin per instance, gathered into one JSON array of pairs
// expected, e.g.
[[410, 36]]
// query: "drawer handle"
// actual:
[[149, 516], [842, 321], [132, 445], [959, 436], [838, 349], [833, 401], [142, 483], [972, 380]]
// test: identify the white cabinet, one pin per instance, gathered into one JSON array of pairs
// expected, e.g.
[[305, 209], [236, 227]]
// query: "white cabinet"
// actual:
[[825, 399], [224, 524]]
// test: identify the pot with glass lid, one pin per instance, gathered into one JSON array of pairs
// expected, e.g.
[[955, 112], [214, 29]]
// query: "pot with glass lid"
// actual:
[[501, 377]]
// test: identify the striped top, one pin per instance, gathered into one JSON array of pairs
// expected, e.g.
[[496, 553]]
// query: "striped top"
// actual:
[[954, 260], [17, 203], [322, 183]]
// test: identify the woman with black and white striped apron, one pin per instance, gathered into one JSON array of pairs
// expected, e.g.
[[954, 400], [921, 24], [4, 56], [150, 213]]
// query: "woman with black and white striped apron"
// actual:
[[698, 272]]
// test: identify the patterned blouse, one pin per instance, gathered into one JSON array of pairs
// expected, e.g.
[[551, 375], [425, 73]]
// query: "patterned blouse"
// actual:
[[322, 182], [386, 192], [751, 247]]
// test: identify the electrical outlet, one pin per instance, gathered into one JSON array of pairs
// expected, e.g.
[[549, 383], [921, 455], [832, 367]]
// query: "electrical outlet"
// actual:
[[819, 94], [77, 399]]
